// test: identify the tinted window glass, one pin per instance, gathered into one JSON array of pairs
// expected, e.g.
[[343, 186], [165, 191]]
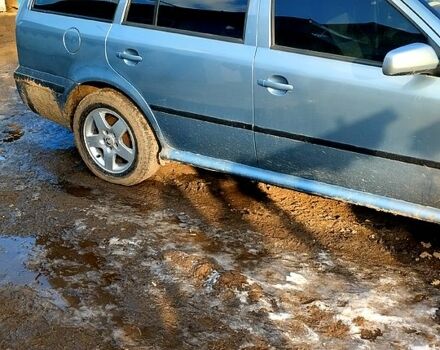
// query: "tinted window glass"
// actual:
[[220, 17], [141, 11], [353, 28], [100, 9]]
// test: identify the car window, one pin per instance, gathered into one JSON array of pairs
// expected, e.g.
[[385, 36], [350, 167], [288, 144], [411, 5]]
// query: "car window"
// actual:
[[358, 29], [141, 11], [97, 9], [220, 17]]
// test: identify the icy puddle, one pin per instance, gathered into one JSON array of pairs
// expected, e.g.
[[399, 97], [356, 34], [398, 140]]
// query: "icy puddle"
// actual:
[[293, 300], [158, 271], [15, 252], [16, 256]]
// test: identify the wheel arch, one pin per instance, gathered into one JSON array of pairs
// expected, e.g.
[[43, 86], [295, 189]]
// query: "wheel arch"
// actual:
[[88, 86]]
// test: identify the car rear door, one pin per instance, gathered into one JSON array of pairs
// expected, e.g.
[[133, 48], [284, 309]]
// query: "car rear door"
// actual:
[[325, 111], [192, 62]]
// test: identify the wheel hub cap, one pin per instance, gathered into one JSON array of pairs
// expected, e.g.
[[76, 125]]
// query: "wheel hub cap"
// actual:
[[110, 141]]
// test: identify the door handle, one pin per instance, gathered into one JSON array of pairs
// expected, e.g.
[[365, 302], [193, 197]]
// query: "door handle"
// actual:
[[267, 83], [129, 55]]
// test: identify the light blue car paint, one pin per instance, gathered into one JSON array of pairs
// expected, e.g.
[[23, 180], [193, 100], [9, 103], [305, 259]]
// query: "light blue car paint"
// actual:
[[350, 106]]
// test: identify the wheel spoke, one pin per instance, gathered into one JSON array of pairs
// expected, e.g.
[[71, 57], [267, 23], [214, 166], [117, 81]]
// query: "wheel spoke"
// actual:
[[119, 129], [94, 141], [125, 153], [109, 160], [100, 122]]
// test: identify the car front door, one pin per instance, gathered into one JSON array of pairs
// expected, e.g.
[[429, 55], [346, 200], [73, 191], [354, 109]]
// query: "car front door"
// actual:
[[325, 111], [192, 62]]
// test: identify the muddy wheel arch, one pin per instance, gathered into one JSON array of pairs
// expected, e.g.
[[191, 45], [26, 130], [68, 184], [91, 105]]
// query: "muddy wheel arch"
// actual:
[[83, 89]]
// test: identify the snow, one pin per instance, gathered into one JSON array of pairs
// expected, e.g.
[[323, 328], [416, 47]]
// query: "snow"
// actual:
[[281, 316]]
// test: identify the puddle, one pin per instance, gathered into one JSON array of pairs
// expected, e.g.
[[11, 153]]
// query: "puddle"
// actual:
[[66, 273], [15, 252], [15, 255]]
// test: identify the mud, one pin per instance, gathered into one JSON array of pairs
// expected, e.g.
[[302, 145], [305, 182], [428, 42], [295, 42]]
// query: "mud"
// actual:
[[195, 260], [43, 101], [11, 133]]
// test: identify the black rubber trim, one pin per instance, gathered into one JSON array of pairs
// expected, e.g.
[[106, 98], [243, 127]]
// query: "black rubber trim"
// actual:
[[301, 138], [204, 118], [59, 89]]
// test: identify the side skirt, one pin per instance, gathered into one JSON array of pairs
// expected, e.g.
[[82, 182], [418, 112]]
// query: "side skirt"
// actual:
[[369, 200]]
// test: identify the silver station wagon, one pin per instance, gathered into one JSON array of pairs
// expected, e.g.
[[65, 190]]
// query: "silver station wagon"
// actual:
[[339, 98]]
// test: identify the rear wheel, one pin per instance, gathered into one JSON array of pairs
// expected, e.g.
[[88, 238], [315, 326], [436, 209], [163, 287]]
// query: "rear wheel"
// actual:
[[114, 139]]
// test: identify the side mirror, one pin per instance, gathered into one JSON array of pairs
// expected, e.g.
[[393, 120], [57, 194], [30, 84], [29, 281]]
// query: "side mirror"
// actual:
[[410, 59]]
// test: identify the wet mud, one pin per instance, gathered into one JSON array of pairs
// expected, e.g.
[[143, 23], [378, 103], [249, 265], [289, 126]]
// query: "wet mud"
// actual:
[[11, 133], [195, 260]]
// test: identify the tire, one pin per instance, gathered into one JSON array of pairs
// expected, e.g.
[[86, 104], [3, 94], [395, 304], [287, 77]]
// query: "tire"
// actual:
[[114, 139]]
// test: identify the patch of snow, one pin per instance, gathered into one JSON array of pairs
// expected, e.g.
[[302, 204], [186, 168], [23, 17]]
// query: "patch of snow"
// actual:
[[121, 337], [309, 336], [226, 261], [321, 305], [325, 259], [296, 278], [280, 316], [79, 225], [426, 245], [113, 241], [425, 255], [124, 247], [212, 280], [242, 296], [247, 346], [89, 315], [285, 286]]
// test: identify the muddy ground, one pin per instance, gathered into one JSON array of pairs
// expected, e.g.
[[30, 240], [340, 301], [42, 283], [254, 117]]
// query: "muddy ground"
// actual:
[[195, 260]]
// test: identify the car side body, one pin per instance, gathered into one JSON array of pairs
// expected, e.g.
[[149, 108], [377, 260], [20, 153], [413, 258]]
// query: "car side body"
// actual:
[[257, 101]]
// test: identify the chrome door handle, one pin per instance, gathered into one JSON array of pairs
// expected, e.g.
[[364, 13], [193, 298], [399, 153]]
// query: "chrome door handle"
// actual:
[[274, 85], [129, 56]]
